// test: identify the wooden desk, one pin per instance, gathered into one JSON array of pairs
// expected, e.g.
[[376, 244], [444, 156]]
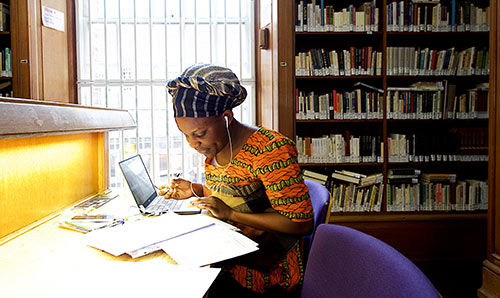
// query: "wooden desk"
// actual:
[[42, 258]]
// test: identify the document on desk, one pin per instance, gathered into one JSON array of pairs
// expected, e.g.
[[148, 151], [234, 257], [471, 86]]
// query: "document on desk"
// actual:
[[132, 279], [132, 236], [210, 245]]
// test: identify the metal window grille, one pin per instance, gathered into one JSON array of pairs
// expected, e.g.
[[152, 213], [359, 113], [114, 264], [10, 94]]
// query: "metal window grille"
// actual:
[[129, 49]]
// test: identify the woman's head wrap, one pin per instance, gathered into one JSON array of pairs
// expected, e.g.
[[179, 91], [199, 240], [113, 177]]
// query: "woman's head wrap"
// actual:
[[205, 90]]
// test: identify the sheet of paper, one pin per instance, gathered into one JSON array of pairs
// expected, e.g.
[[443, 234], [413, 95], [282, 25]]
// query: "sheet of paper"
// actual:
[[53, 18], [152, 248], [207, 246], [128, 279], [142, 233]]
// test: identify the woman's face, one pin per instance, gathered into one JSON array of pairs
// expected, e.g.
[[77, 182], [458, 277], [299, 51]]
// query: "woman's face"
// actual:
[[206, 135]]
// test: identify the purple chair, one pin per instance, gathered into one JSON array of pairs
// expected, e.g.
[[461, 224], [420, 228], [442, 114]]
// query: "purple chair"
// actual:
[[347, 263], [320, 198]]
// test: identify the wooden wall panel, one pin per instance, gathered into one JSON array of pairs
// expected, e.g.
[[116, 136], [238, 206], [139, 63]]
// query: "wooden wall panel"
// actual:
[[266, 109], [55, 63], [20, 49], [49, 68], [491, 268], [285, 66], [275, 67], [40, 175], [455, 239]]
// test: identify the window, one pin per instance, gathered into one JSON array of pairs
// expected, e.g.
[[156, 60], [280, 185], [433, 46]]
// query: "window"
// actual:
[[129, 49]]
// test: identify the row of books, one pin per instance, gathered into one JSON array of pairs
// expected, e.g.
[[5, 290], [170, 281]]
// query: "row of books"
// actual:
[[345, 62], [465, 144], [466, 195], [435, 191], [4, 17], [406, 190], [432, 16], [437, 100], [424, 61], [337, 148], [362, 193], [356, 104], [6, 62], [312, 17]]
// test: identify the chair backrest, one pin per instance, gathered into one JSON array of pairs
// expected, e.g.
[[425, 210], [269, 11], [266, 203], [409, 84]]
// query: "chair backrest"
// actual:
[[320, 198], [344, 262]]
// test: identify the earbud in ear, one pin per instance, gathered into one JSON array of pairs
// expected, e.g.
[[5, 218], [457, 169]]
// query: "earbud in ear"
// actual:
[[225, 118]]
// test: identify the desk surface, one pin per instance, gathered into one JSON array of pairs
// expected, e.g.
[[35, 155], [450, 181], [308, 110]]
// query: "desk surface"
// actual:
[[34, 263]]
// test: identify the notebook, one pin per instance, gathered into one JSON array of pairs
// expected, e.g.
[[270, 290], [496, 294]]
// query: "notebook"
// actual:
[[144, 191]]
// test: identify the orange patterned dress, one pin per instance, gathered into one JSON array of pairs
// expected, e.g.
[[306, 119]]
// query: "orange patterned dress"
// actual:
[[264, 177]]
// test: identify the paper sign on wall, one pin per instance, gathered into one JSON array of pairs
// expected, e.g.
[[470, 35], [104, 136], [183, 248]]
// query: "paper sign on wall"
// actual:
[[52, 18]]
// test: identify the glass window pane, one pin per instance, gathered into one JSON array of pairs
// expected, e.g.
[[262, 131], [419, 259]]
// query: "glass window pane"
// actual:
[[188, 46], [203, 43], [85, 96], [98, 52], [99, 96], [173, 51], [114, 97], [143, 52], [128, 52], [113, 51], [158, 50]]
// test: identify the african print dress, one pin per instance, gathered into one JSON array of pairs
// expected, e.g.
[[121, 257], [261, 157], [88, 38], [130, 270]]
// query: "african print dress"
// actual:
[[264, 177]]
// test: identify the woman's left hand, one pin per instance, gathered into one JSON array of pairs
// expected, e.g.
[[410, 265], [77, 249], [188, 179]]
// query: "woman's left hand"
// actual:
[[216, 206]]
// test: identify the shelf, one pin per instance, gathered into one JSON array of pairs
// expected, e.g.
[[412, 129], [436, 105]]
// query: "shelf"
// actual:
[[345, 164], [371, 33], [421, 78], [340, 121], [26, 118], [435, 163], [336, 77], [406, 216], [440, 121], [441, 34]]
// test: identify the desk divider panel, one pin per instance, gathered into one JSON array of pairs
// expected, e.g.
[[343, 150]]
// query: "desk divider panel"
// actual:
[[40, 175]]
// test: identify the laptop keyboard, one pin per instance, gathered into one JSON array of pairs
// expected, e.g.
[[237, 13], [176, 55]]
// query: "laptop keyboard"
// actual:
[[165, 205]]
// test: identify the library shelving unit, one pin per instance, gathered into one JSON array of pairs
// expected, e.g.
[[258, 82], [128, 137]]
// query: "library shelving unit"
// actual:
[[387, 85], [5, 50]]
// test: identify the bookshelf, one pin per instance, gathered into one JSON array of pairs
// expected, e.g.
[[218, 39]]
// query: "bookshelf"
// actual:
[[43, 59], [5, 50], [395, 84], [426, 236]]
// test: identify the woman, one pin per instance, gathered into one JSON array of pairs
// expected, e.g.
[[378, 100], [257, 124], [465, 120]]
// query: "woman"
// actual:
[[253, 181]]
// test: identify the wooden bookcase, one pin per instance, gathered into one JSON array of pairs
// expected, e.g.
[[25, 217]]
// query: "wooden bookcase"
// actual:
[[448, 245], [5, 50], [43, 59]]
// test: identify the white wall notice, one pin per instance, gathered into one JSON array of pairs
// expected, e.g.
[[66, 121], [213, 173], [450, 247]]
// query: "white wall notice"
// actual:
[[52, 18]]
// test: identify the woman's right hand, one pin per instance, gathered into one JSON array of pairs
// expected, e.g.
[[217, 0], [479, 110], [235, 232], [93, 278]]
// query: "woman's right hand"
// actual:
[[179, 189]]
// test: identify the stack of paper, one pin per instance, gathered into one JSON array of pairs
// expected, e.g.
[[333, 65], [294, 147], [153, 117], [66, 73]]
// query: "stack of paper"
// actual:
[[194, 240], [133, 236], [203, 247]]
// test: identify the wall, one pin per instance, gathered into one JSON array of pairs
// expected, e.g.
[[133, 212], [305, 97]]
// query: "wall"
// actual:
[[40, 175]]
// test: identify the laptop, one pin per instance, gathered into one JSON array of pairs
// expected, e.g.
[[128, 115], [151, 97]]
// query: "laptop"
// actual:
[[144, 191]]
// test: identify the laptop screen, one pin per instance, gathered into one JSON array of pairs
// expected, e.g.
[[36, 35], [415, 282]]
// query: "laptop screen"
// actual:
[[138, 180]]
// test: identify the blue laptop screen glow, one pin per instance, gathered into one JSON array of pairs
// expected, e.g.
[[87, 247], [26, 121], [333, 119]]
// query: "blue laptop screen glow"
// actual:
[[138, 180]]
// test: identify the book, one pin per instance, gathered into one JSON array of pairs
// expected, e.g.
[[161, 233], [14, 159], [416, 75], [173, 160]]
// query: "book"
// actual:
[[403, 171], [85, 226], [371, 179], [321, 178], [94, 202], [346, 178], [360, 84]]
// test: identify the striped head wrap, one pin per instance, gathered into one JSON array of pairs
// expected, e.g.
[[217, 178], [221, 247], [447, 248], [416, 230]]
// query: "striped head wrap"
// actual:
[[205, 90]]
